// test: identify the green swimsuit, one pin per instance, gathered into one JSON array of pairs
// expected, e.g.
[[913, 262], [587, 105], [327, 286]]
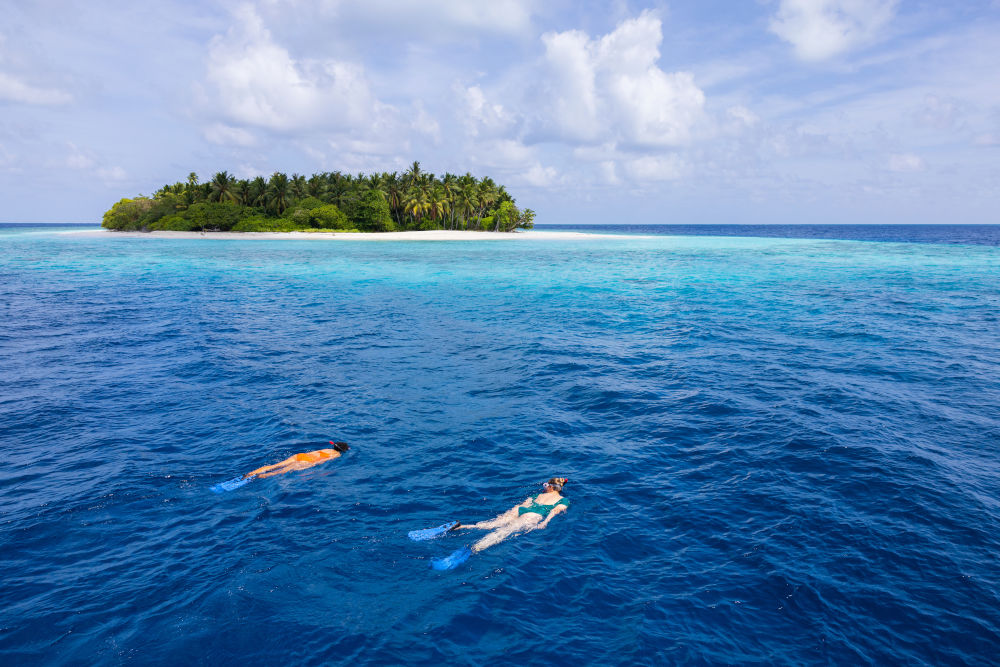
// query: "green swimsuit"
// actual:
[[536, 508]]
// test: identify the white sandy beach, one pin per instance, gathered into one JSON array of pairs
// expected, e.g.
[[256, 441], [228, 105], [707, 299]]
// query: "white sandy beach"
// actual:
[[439, 235]]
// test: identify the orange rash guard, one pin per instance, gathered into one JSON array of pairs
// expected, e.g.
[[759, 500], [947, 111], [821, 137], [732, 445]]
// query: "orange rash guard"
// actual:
[[318, 455]]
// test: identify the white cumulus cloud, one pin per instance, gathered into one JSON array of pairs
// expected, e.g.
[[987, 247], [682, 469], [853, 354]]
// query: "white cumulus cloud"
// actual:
[[482, 116], [821, 29], [614, 85], [571, 85], [257, 82]]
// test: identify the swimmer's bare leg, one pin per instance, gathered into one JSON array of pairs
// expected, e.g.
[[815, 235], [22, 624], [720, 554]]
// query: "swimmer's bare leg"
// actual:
[[262, 469], [274, 466], [485, 525], [501, 520], [296, 465], [510, 515], [528, 522]]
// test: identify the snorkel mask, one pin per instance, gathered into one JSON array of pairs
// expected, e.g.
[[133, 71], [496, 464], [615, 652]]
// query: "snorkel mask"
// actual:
[[556, 483]]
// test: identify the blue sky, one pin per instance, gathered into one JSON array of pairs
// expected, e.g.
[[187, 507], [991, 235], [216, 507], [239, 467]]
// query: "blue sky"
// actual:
[[783, 111]]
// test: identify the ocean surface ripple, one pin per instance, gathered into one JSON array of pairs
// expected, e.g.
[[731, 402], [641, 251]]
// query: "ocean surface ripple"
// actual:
[[781, 451]]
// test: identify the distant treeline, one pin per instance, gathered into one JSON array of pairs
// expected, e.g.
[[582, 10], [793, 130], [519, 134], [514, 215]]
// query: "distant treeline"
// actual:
[[334, 201]]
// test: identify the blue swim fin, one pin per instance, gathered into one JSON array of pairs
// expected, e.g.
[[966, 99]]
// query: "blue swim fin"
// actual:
[[452, 561], [230, 484], [431, 533]]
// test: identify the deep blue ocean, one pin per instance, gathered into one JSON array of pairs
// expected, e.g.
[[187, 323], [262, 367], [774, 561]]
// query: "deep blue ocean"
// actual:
[[781, 451]]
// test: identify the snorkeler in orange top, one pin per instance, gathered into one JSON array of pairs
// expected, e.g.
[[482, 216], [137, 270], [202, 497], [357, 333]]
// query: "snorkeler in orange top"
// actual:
[[300, 461]]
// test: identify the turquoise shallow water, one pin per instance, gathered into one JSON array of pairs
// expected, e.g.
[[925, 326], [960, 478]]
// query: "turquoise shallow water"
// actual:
[[780, 451]]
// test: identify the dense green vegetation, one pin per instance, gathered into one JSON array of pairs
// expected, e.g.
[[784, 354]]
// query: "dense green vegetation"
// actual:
[[329, 202]]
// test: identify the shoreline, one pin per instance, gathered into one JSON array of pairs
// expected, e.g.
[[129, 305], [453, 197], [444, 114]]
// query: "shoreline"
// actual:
[[436, 235]]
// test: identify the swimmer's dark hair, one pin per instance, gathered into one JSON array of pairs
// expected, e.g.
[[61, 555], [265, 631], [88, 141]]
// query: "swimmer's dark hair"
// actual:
[[558, 482], [340, 446]]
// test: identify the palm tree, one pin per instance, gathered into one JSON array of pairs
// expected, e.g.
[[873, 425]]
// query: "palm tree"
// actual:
[[258, 192], [487, 195], [191, 188], [467, 200], [416, 202], [298, 187], [337, 188], [375, 183], [221, 187], [394, 195], [450, 185], [277, 193], [413, 175], [503, 196], [438, 203], [316, 186], [243, 192]]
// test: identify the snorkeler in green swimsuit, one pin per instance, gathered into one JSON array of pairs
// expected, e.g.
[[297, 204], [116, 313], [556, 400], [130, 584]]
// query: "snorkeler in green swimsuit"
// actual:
[[533, 513]]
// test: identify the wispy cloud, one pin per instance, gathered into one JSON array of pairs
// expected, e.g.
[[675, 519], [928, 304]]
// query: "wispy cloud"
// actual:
[[14, 89], [821, 29], [220, 133], [903, 162]]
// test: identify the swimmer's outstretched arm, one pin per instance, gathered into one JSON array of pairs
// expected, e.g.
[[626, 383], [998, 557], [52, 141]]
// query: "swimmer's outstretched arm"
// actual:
[[555, 510]]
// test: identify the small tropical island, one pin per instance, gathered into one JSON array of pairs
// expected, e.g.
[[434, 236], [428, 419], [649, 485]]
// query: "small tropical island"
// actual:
[[324, 202]]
